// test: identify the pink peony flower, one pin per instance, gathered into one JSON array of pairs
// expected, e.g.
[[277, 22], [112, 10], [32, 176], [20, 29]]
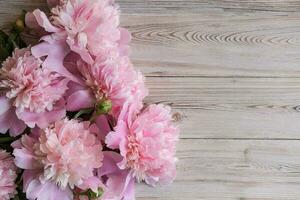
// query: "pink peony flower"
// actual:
[[29, 93], [147, 143], [8, 176], [92, 32], [92, 27], [89, 28], [61, 156], [114, 80]]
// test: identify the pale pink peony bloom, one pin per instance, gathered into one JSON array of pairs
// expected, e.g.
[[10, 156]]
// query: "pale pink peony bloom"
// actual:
[[88, 27], [65, 154], [147, 142], [8, 176], [29, 93], [92, 27], [107, 79], [103, 72]]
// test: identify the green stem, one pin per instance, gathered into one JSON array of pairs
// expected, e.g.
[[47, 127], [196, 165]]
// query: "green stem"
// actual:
[[82, 112]]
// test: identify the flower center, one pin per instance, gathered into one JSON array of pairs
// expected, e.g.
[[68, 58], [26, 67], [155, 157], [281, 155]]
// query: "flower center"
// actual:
[[133, 157]]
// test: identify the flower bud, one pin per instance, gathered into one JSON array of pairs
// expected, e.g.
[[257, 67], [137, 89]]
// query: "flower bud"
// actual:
[[19, 25], [103, 107]]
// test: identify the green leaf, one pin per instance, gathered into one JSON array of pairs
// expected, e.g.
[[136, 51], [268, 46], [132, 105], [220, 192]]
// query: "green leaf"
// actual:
[[5, 46], [95, 195], [8, 42], [19, 42], [4, 140], [12, 39], [20, 195], [91, 194]]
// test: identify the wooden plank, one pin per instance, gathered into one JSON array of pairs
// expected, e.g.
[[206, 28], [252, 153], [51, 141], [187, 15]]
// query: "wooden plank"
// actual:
[[228, 169], [179, 6], [222, 44], [231, 107], [193, 92], [205, 42], [196, 6], [231, 124]]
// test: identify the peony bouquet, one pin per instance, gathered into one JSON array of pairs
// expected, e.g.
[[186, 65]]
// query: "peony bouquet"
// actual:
[[72, 119]]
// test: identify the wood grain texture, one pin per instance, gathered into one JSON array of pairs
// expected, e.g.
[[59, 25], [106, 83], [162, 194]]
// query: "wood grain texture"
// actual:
[[231, 71], [229, 169], [255, 44], [249, 108]]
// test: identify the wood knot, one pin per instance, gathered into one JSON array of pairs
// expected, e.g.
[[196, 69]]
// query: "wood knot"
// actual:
[[177, 117], [297, 108]]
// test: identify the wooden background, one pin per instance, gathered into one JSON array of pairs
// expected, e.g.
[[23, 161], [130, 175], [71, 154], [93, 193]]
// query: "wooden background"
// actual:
[[231, 69]]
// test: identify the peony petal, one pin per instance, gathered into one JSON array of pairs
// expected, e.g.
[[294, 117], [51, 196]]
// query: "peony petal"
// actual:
[[10, 121], [17, 126], [16, 144], [83, 52], [70, 63], [4, 123], [74, 87], [56, 51], [80, 100], [4, 105], [103, 125], [120, 185], [31, 22], [110, 161], [129, 192], [123, 42], [42, 120], [125, 36], [43, 21], [8, 175], [34, 189], [113, 139], [92, 183], [24, 159], [50, 191]]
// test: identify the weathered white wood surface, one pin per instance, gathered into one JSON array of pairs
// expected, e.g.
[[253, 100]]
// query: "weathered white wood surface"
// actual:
[[231, 71]]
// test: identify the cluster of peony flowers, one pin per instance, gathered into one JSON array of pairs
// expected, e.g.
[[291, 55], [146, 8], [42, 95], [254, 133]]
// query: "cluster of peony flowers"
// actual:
[[73, 106]]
